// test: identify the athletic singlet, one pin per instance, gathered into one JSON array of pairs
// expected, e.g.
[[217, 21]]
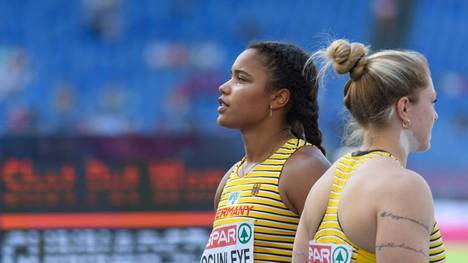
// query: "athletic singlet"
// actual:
[[330, 230], [256, 197]]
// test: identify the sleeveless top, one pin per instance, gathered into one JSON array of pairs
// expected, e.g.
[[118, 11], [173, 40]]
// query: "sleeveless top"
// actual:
[[330, 230], [256, 197]]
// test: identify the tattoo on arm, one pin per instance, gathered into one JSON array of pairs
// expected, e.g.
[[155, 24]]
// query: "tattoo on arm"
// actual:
[[397, 218], [380, 247]]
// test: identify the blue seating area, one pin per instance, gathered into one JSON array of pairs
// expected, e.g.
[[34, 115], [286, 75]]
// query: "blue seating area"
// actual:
[[150, 95]]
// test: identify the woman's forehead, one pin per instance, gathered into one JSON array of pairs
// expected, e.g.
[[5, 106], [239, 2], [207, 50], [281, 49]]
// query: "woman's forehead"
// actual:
[[248, 61]]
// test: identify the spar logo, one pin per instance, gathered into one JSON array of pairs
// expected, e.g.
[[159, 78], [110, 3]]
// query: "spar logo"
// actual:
[[329, 253], [244, 233], [230, 235], [222, 237]]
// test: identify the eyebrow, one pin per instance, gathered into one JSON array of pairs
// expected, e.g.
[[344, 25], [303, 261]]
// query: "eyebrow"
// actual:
[[238, 71]]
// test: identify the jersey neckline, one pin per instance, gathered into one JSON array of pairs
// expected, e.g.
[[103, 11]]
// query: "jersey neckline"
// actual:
[[289, 141]]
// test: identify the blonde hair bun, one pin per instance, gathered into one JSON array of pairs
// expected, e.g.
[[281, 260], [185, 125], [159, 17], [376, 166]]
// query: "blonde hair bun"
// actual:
[[348, 57]]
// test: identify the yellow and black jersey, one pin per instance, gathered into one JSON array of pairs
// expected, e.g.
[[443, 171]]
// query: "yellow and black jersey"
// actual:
[[330, 231], [255, 197]]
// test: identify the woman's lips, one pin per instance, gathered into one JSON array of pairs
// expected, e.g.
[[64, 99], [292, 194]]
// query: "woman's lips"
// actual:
[[222, 105]]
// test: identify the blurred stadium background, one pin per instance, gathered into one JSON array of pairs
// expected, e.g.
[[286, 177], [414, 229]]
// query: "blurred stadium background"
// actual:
[[109, 146]]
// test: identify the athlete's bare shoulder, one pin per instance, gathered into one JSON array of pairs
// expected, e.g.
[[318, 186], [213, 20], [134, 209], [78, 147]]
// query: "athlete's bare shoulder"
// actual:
[[402, 192], [405, 182], [391, 177], [306, 159], [300, 172], [386, 180]]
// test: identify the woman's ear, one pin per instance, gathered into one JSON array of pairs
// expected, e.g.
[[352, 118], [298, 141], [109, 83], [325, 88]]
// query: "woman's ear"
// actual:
[[280, 99], [403, 108]]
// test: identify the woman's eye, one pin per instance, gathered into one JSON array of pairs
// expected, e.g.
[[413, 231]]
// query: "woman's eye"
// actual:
[[241, 78]]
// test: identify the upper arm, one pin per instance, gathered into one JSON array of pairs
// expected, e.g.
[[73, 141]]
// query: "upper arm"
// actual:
[[314, 209], [221, 185], [405, 216], [301, 243], [299, 173]]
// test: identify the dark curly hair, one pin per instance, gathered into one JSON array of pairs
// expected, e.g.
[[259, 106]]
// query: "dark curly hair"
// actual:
[[285, 63]]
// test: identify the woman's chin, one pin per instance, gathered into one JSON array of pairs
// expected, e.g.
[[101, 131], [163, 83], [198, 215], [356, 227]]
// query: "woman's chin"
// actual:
[[222, 122], [424, 147]]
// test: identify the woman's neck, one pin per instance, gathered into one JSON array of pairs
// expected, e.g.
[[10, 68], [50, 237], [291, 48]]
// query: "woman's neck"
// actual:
[[261, 143], [389, 141]]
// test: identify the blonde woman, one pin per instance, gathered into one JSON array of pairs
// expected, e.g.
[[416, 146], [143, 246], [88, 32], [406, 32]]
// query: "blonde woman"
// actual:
[[369, 207]]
